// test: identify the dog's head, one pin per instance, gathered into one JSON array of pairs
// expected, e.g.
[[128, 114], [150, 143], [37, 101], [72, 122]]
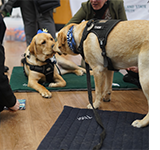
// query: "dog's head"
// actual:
[[42, 46], [61, 43]]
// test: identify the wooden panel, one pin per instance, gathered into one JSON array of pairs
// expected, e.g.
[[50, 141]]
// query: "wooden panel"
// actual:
[[63, 13]]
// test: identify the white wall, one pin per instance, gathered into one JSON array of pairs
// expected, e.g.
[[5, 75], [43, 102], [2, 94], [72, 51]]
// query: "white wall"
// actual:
[[137, 9]]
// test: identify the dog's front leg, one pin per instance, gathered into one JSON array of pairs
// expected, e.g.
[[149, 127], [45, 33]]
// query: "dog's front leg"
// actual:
[[58, 81], [107, 88], [99, 80], [32, 83]]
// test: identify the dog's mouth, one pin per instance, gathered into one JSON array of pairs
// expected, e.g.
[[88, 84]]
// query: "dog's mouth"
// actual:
[[47, 55], [56, 49], [59, 53], [50, 55]]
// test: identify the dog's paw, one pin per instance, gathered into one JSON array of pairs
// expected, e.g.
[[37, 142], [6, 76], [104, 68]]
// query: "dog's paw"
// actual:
[[79, 72], [95, 105], [46, 94], [91, 72], [52, 85], [89, 106], [137, 124]]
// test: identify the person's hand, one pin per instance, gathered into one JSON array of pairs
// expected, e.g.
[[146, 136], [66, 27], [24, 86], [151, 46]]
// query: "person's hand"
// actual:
[[15, 107], [1, 13], [4, 13], [133, 68]]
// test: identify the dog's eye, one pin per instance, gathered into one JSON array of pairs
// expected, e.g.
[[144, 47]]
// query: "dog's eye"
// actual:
[[51, 39], [43, 42], [59, 47]]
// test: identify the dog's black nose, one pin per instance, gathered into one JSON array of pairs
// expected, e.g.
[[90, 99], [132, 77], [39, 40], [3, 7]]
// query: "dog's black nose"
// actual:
[[52, 46]]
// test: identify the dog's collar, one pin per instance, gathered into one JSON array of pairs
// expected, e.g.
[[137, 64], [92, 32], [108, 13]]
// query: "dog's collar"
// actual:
[[70, 40], [51, 60]]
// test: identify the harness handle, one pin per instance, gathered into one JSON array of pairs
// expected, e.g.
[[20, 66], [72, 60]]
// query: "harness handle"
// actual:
[[102, 44]]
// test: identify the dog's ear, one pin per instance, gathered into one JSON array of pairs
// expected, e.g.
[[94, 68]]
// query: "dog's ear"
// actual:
[[61, 38], [32, 46]]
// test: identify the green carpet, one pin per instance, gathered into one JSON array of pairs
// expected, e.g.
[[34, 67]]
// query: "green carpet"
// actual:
[[19, 82]]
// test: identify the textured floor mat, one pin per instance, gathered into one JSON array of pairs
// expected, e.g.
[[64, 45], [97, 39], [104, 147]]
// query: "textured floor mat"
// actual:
[[76, 129], [19, 82]]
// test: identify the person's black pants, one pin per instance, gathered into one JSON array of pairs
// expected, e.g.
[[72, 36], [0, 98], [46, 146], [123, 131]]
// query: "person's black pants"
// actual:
[[133, 74]]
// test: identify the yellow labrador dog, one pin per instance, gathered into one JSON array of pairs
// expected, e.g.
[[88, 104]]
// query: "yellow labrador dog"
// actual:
[[37, 64], [127, 45]]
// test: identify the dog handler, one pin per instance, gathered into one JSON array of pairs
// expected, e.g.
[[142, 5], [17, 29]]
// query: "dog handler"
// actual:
[[105, 9], [7, 97], [99, 9]]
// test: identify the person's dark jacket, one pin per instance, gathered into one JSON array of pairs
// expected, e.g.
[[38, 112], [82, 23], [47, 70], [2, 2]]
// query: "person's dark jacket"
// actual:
[[42, 5], [7, 7], [7, 97], [46, 5], [2, 29]]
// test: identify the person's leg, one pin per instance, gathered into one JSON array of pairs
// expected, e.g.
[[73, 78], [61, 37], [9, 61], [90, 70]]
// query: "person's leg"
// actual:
[[133, 74], [46, 21], [132, 77], [2, 32], [2, 29], [29, 19], [1, 108]]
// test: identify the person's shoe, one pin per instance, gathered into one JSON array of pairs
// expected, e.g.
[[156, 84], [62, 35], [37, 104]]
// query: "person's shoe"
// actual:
[[6, 68], [128, 78]]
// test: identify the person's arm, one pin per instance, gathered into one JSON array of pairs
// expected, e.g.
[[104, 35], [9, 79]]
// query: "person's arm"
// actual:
[[121, 11], [7, 98], [78, 17], [6, 8], [84, 13], [15, 107], [133, 68]]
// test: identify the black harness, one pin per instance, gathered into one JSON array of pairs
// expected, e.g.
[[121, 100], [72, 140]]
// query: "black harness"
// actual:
[[47, 70], [101, 28]]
